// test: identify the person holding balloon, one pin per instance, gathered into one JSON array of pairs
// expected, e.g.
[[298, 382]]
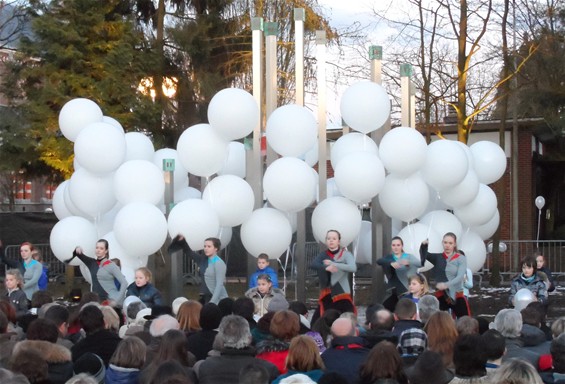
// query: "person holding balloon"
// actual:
[[398, 267], [530, 280], [103, 273], [334, 267], [449, 271]]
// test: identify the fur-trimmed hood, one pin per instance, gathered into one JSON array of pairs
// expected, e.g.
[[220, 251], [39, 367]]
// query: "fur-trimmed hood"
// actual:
[[52, 353]]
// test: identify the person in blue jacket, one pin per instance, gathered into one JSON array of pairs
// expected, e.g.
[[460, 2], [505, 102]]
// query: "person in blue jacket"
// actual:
[[263, 269], [142, 288], [44, 279]]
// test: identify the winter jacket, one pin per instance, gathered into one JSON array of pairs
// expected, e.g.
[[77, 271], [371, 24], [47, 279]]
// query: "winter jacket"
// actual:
[[274, 351], [58, 358], [262, 302], [345, 356], [533, 284], [267, 271], [148, 294], [119, 375]]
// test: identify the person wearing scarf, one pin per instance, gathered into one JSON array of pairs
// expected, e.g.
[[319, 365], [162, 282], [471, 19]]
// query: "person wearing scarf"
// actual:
[[334, 267], [530, 280]]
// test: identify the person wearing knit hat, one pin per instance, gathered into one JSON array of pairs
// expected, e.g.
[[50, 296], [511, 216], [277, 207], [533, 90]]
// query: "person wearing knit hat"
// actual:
[[429, 369], [91, 364], [200, 343], [278, 303]]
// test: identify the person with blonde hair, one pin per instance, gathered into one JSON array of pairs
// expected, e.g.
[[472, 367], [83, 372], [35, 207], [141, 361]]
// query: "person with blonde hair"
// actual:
[[142, 288], [303, 358], [13, 283], [516, 371], [126, 362]]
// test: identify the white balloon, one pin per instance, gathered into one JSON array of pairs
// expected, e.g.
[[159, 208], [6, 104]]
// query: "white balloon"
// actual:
[[194, 219], [115, 249], [231, 197], [139, 147], [71, 206], [85, 272], [364, 244], [489, 161], [59, 207], [403, 150], [225, 236], [77, 114], [201, 150], [443, 222], [92, 193], [404, 198], [100, 148], [475, 250], [462, 193], [266, 231], [540, 202], [467, 151], [311, 156], [105, 223], [180, 174], [186, 193], [412, 236], [235, 163], [72, 232], [233, 113], [522, 298], [350, 143], [486, 231], [336, 213], [140, 228], [114, 123], [365, 106], [139, 181], [480, 210], [360, 176], [446, 164], [289, 185], [291, 130]]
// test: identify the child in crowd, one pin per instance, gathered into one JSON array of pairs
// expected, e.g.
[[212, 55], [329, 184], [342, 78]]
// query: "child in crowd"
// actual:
[[417, 287], [263, 268], [44, 279], [530, 280], [263, 294], [142, 288], [15, 295]]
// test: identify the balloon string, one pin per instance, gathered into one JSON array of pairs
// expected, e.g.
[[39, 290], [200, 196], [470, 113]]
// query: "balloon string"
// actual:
[[539, 219]]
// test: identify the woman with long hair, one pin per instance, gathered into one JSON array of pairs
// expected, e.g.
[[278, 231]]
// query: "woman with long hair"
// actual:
[[442, 334], [189, 317], [284, 326], [383, 362], [303, 357], [126, 362]]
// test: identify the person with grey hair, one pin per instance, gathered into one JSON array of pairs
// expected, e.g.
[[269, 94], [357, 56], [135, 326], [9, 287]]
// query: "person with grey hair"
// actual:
[[235, 354], [427, 306], [162, 324], [509, 323]]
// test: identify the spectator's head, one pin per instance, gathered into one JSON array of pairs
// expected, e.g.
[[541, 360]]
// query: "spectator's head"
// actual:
[[172, 347], [333, 378], [111, 318], [382, 319], [427, 306], [540, 308], [468, 358], [516, 371], [442, 334], [429, 369], [91, 319], [343, 327], [383, 362], [262, 261], [90, 364], [254, 373], [277, 303], [44, 308], [170, 372], [303, 355], [210, 317], [285, 325], [531, 316], [412, 341], [133, 309], [82, 378], [143, 276], [529, 266], [162, 324], [89, 297], [8, 377], [8, 309], [484, 324], [405, 309], [466, 325], [370, 311], [557, 350], [418, 285], [59, 315], [177, 303], [189, 316], [558, 327], [226, 306], [234, 332], [40, 298], [298, 307], [42, 329], [130, 353], [508, 322], [31, 364], [244, 307], [493, 344], [540, 260]]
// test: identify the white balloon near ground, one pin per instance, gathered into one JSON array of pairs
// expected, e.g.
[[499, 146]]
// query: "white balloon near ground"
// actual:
[[235, 162], [522, 298], [480, 210], [403, 150], [336, 213], [443, 222], [462, 193], [364, 244], [289, 185], [180, 174], [486, 231], [351, 143], [489, 161], [404, 198], [412, 236], [233, 113], [446, 164], [92, 193], [231, 197], [139, 181], [140, 228], [194, 219], [201, 150], [475, 250], [267, 231], [139, 147], [291, 130], [360, 176], [72, 232], [114, 123], [100, 148], [186, 193], [59, 207], [365, 106], [77, 114]]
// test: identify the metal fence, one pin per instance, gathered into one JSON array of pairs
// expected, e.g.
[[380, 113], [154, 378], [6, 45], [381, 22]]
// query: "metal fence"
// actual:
[[56, 268]]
